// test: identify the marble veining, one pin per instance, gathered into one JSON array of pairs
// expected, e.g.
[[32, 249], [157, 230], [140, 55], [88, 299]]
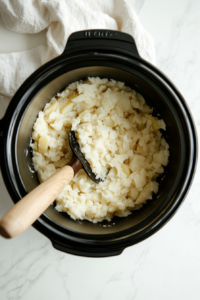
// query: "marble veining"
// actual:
[[165, 266]]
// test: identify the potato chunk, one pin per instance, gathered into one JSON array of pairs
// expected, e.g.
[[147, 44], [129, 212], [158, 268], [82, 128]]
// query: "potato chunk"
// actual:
[[157, 124], [68, 107], [43, 144], [110, 122], [52, 107], [126, 170]]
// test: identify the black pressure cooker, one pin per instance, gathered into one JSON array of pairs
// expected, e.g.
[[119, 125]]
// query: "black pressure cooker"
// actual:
[[113, 55]]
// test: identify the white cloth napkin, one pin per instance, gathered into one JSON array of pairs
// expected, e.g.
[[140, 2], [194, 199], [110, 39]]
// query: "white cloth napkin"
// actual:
[[61, 18]]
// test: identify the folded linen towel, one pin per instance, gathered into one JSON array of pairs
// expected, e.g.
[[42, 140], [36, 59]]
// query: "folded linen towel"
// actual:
[[61, 18]]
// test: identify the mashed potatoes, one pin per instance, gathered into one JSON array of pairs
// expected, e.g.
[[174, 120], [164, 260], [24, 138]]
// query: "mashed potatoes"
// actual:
[[118, 136]]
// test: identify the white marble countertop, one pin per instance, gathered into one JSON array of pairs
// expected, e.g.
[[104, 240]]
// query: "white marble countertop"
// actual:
[[165, 266]]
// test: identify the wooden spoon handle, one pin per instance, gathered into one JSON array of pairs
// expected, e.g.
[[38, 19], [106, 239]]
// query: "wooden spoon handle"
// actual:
[[28, 209]]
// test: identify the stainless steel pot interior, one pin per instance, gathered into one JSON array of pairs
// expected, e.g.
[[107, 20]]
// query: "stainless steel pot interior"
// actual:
[[155, 97]]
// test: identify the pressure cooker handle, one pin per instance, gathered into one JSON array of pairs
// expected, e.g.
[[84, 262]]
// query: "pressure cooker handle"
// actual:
[[90, 252], [101, 40]]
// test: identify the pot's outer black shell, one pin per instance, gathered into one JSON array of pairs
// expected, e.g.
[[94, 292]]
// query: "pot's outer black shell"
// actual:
[[90, 48]]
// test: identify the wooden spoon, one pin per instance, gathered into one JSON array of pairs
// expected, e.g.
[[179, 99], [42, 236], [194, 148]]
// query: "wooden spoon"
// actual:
[[25, 212]]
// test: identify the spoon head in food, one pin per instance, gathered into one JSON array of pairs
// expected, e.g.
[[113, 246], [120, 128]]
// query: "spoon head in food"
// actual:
[[77, 151]]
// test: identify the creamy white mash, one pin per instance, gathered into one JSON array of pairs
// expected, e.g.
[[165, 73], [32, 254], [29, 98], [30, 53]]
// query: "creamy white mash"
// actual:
[[118, 136]]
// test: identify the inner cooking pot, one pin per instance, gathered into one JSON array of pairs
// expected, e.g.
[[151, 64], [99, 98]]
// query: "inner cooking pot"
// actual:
[[80, 60]]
